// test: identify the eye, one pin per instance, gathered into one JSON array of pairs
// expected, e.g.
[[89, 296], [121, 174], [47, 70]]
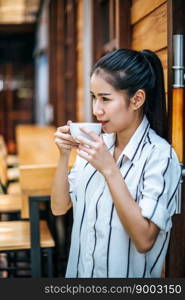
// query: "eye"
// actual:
[[105, 99]]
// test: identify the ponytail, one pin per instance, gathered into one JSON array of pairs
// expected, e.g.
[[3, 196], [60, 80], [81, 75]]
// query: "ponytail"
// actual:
[[155, 106]]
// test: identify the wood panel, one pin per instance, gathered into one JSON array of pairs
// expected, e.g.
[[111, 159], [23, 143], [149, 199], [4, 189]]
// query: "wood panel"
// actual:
[[15, 12], [141, 8], [123, 24], [37, 180], [10, 203], [146, 35], [16, 235], [36, 145], [151, 32]]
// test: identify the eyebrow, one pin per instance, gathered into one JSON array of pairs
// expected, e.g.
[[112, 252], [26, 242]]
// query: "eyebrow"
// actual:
[[101, 94]]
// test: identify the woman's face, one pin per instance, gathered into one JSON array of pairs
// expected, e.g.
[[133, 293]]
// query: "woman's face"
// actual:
[[111, 107]]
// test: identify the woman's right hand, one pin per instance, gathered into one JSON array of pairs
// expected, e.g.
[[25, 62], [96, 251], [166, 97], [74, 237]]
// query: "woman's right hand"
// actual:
[[64, 140]]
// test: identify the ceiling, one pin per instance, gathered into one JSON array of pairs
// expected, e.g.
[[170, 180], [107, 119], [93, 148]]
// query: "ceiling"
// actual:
[[18, 11]]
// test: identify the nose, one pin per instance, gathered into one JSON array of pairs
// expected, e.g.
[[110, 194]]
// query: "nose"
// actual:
[[97, 109]]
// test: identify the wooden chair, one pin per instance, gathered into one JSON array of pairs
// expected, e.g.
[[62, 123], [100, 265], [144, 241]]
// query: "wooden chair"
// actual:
[[15, 237], [35, 180], [8, 184], [10, 206], [33, 234], [41, 186], [10, 196], [11, 160], [35, 144]]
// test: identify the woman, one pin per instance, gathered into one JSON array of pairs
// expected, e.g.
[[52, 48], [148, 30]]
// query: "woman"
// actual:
[[124, 184]]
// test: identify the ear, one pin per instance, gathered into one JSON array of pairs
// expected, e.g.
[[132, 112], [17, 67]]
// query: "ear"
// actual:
[[138, 99]]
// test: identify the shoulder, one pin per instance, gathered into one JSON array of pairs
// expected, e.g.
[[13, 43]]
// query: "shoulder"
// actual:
[[162, 149], [159, 145]]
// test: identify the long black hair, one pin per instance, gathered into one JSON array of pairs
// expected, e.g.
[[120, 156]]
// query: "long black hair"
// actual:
[[131, 70]]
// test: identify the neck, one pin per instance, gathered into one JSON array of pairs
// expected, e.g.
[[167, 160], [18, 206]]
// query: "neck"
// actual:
[[122, 138]]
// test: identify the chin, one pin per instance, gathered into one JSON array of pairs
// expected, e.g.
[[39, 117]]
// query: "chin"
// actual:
[[107, 130]]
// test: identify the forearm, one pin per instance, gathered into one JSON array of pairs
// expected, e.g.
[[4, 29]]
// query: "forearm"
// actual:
[[60, 198], [138, 228]]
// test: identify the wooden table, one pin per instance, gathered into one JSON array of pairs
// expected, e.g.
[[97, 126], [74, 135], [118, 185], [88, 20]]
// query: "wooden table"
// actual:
[[37, 153]]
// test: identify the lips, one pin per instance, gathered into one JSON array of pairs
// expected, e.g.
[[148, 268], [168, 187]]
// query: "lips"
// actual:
[[103, 122]]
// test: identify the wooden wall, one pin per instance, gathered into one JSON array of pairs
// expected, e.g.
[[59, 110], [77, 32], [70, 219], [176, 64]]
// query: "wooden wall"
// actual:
[[149, 31], [149, 28]]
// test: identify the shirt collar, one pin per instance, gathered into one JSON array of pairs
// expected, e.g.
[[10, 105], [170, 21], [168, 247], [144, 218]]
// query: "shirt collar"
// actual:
[[134, 146]]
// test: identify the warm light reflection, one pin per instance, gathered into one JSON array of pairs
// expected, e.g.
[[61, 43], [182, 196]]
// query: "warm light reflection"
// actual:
[[18, 11], [177, 121]]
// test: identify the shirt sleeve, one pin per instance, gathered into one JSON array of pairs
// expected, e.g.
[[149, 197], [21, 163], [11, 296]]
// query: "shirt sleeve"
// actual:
[[159, 189]]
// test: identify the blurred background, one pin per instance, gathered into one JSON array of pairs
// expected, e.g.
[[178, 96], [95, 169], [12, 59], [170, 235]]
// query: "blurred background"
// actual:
[[47, 48]]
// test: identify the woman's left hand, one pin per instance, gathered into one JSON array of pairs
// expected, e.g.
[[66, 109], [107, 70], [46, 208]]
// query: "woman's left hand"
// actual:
[[95, 151]]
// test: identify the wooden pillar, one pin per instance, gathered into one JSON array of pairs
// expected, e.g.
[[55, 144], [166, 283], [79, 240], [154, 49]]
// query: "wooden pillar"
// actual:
[[62, 60], [111, 26], [123, 24], [56, 60], [175, 262]]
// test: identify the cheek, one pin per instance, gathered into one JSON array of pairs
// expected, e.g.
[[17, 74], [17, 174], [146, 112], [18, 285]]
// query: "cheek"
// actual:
[[123, 116], [121, 111]]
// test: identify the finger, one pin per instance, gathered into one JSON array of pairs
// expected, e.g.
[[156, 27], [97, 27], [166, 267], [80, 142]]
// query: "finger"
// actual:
[[69, 143], [88, 150], [69, 122], [65, 142], [64, 136], [60, 142], [83, 155], [64, 129], [63, 146], [91, 133], [86, 141]]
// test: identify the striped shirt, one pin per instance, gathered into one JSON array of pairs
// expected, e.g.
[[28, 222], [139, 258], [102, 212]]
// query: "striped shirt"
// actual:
[[100, 245]]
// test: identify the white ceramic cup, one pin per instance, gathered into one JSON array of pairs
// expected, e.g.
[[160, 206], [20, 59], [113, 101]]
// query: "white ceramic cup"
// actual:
[[75, 129]]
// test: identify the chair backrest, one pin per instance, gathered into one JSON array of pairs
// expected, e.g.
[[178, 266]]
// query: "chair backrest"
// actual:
[[35, 180], [3, 165], [35, 144], [3, 148], [3, 172]]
